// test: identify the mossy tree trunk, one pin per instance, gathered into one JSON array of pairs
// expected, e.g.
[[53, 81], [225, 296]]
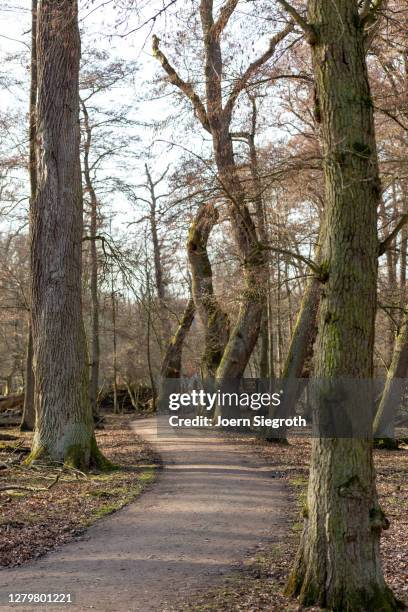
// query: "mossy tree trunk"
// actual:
[[300, 353], [171, 365], [64, 427], [394, 389], [213, 319], [338, 564]]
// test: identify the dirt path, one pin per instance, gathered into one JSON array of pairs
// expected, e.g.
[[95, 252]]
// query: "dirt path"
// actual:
[[212, 503]]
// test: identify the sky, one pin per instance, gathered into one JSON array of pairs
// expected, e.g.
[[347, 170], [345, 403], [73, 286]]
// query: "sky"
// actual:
[[97, 22], [126, 37]]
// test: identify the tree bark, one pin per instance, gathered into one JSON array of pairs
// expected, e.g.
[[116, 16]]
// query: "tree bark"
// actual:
[[338, 564], [214, 320], [391, 287], [257, 198], [245, 333], [171, 366], [64, 427], [299, 354]]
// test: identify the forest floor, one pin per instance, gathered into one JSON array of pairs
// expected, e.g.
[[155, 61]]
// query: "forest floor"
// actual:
[[49, 507], [258, 586], [214, 503], [217, 532]]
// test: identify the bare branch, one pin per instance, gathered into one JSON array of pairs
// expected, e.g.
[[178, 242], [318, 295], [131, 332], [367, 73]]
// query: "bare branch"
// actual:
[[253, 67], [186, 88], [386, 243], [301, 21], [309, 262], [224, 16], [32, 489]]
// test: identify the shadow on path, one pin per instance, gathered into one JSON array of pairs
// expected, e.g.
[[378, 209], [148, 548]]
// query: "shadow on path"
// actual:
[[212, 503]]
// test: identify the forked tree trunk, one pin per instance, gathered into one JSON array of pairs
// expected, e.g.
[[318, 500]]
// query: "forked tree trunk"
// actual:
[[338, 565], [215, 117], [214, 320], [264, 335], [244, 335], [64, 427], [28, 417]]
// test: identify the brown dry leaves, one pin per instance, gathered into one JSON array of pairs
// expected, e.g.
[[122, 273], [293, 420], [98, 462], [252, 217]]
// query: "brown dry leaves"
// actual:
[[259, 584], [31, 524]]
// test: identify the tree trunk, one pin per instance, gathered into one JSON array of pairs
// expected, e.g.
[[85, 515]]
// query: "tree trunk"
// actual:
[[299, 354], [263, 235], [215, 117], [391, 286], [157, 257], [28, 418], [114, 340], [214, 320], [171, 366], [244, 335], [304, 333], [394, 389], [95, 345], [64, 426], [338, 564], [148, 348]]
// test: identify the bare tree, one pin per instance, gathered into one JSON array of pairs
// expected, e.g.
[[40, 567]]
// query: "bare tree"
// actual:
[[215, 117]]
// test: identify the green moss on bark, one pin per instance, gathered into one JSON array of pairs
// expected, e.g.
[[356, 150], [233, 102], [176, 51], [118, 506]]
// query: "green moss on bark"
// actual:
[[386, 443], [36, 453], [98, 460], [371, 599], [79, 457]]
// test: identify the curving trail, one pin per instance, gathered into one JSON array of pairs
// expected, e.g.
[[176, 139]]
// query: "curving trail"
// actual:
[[212, 503]]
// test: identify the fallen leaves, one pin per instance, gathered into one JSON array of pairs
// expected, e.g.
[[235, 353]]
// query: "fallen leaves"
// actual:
[[259, 583], [42, 508]]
